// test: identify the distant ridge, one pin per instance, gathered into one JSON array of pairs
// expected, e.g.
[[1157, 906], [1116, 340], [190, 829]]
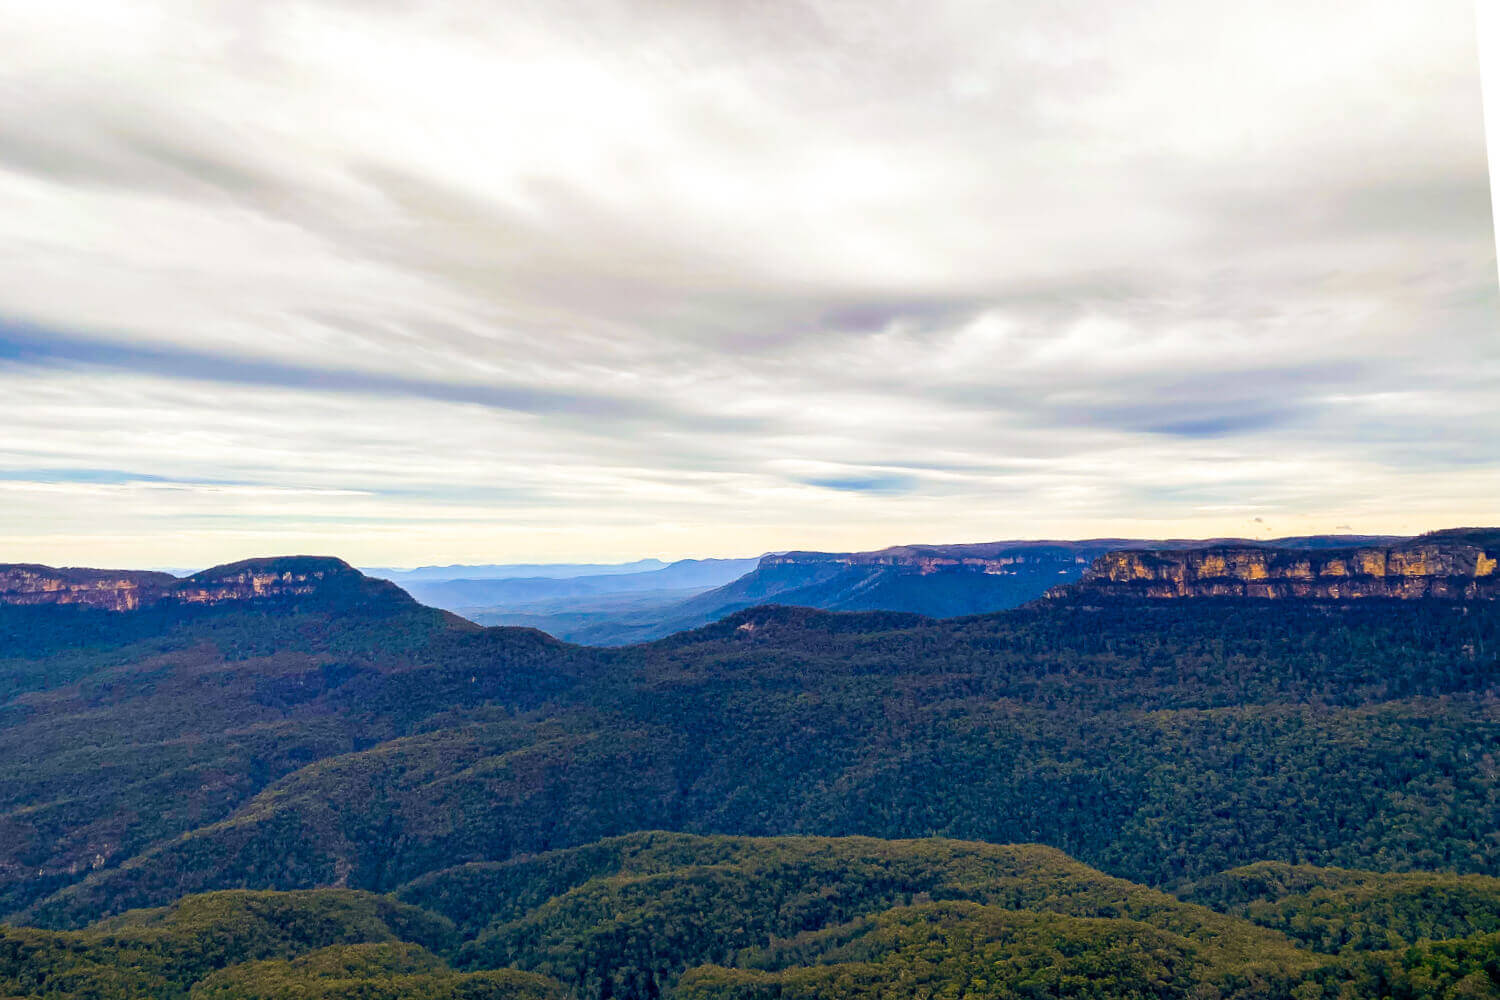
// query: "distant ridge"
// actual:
[[471, 593], [937, 581], [1453, 564], [276, 578], [513, 571]]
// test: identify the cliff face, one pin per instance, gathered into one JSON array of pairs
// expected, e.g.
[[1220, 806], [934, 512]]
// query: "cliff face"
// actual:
[[1068, 558], [261, 579], [115, 590], [125, 590], [1463, 564]]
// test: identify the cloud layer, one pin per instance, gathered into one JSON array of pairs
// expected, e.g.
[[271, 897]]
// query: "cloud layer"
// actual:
[[436, 282]]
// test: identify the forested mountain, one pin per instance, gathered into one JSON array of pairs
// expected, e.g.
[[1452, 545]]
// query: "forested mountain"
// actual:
[[328, 943], [1338, 910], [658, 914], [322, 730]]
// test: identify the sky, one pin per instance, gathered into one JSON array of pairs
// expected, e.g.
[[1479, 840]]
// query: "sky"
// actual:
[[419, 283]]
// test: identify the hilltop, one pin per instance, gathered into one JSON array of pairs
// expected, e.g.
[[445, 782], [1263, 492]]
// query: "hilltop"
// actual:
[[278, 578]]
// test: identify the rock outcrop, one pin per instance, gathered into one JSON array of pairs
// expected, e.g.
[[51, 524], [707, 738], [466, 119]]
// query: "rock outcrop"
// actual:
[[114, 589], [1458, 564], [272, 579]]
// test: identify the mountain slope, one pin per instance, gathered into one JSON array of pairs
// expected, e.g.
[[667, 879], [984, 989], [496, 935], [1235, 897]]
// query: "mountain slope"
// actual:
[[239, 945], [655, 915], [1338, 910], [337, 734], [120, 730], [1159, 740], [671, 903]]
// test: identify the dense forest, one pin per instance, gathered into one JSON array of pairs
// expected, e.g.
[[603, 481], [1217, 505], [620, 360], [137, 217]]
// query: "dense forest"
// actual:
[[655, 915], [1291, 799]]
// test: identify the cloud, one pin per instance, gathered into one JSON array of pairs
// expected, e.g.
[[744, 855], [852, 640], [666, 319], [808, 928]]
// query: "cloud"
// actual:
[[618, 277], [26, 346], [1212, 427]]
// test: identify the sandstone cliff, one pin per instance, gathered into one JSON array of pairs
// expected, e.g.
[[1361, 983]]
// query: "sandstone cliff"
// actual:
[[117, 590], [1459, 564], [127, 590]]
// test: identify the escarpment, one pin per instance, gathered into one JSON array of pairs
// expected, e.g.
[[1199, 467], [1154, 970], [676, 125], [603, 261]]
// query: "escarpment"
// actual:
[[1459, 564], [115, 590], [271, 579]]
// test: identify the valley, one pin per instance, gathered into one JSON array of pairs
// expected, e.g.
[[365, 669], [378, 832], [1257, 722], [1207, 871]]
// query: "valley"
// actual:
[[1291, 795]]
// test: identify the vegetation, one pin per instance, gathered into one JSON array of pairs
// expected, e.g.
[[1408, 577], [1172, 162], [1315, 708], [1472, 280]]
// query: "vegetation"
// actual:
[[1317, 783], [963, 949], [369, 972], [656, 915], [658, 904], [162, 953], [1162, 742], [1331, 909]]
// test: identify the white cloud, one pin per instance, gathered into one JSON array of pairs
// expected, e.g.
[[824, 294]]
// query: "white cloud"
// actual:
[[613, 278]]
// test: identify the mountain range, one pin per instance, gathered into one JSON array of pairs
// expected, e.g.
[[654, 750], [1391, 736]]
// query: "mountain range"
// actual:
[[573, 602], [283, 778], [940, 581], [515, 571]]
